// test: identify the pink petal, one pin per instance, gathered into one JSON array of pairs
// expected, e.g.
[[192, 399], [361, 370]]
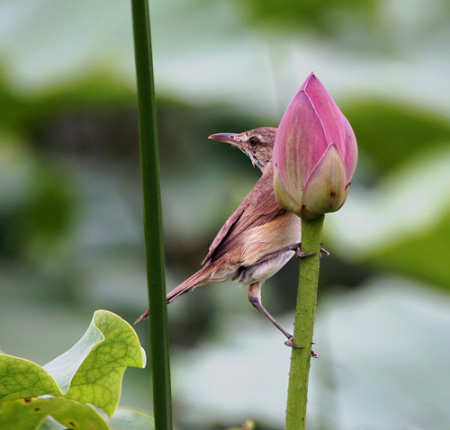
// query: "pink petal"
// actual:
[[350, 150], [283, 197], [326, 189], [327, 110], [299, 143]]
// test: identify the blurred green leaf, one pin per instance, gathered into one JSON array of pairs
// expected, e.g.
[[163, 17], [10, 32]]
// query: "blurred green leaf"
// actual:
[[423, 254], [92, 91], [36, 198], [301, 15], [390, 134], [16, 175], [48, 213], [29, 413], [402, 224]]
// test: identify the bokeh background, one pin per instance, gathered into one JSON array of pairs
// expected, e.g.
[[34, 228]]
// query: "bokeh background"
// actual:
[[71, 235]]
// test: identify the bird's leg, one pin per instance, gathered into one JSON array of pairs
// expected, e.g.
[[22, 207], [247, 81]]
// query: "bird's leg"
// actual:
[[254, 296], [297, 247], [294, 247]]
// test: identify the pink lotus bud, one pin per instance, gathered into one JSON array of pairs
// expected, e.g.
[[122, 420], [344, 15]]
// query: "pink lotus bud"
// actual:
[[315, 153]]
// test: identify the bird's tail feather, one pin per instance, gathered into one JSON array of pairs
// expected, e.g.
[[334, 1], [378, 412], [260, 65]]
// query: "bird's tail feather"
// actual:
[[202, 277], [199, 278]]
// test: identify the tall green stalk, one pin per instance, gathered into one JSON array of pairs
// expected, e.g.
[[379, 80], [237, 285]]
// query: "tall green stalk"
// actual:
[[148, 138], [304, 325]]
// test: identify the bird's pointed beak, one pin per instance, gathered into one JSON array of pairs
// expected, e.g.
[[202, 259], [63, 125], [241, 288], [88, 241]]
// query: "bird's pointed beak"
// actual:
[[238, 140], [225, 137], [234, 139]]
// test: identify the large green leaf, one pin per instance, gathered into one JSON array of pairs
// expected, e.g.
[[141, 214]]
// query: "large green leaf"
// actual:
[[29, 413], [88, 373], [20, 378], [92, 370]]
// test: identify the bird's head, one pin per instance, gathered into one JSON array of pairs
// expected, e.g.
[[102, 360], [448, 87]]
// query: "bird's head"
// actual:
[[256, 143]]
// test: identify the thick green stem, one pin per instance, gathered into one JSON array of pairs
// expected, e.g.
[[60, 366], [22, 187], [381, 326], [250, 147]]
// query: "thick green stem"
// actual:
[[304, 325], [154, 242]]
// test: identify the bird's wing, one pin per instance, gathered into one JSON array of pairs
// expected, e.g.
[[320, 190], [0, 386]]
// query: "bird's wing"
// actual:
[[262, 206]]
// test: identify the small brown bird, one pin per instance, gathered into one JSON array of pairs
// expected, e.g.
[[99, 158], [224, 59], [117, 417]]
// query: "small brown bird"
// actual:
[[258, 239]]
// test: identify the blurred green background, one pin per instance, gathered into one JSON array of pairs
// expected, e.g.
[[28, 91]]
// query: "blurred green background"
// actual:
[[71, 235]]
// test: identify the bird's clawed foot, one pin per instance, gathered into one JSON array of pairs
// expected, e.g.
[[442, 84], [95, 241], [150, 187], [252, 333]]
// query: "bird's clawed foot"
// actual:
[[254, 296], [290, 343], [301, 254]]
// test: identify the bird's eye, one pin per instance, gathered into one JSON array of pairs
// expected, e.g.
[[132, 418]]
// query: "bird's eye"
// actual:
[[253, 140]]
